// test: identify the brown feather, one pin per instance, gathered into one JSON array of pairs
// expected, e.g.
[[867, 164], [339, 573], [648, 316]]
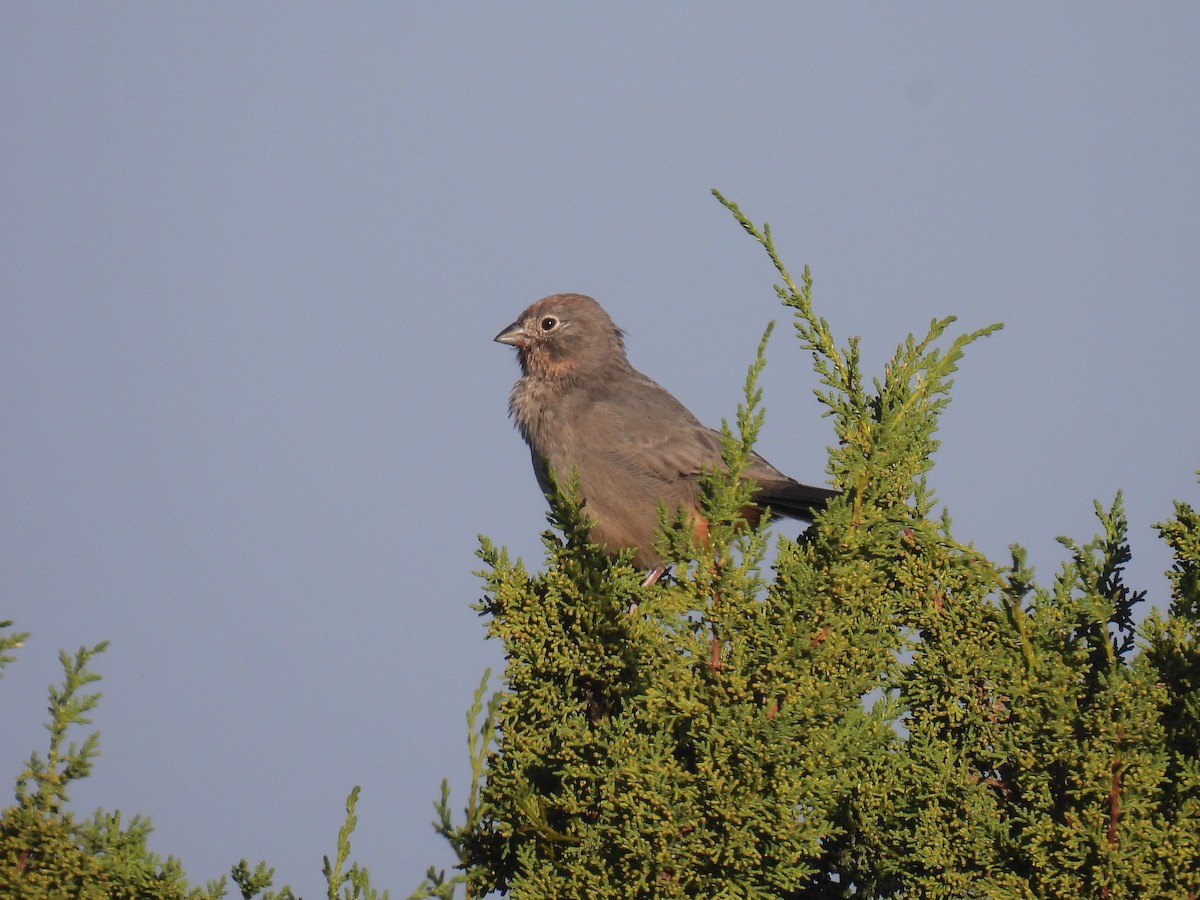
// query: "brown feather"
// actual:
[[582, 407]]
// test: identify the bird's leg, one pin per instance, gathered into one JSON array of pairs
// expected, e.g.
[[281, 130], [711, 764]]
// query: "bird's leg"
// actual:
[[653, 575]]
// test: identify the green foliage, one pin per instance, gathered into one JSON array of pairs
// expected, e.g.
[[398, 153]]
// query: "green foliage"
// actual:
[[9, 642], [45, 852], [253, 882], [354, 883], [479, 737], [888, 714]]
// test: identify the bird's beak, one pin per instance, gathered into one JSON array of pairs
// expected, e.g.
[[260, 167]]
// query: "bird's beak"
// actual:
[[514, 334]]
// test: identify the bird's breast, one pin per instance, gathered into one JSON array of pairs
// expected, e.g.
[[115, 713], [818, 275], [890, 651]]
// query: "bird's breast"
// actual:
[[536, 407]]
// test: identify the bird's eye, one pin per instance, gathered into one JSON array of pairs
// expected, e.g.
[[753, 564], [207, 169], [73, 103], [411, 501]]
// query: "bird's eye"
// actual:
[[548, 323]]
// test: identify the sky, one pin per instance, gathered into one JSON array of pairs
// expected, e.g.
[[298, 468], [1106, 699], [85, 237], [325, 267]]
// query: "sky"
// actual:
[[252, 258]]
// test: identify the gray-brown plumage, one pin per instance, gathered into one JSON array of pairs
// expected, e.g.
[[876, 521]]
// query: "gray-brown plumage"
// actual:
[[581, 406]]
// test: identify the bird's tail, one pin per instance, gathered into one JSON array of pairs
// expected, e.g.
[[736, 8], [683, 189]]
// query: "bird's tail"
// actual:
[[793, 499]]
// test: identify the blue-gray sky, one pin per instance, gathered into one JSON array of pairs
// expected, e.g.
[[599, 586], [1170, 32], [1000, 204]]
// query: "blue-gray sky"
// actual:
[[252, 258]]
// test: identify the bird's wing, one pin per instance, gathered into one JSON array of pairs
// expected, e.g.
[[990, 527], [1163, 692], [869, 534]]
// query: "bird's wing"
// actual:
[[658, 439], [655, 434]]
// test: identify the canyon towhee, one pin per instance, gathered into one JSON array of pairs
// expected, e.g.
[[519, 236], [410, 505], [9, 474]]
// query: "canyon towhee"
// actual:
[[581, 407]]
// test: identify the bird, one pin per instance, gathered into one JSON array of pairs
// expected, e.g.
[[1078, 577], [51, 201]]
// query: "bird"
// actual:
[[582, 408]]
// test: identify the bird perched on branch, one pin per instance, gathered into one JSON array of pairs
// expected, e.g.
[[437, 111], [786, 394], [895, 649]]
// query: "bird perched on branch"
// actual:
[[582, 407]]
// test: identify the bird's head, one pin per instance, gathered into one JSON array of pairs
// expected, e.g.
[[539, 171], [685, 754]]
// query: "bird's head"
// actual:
[[565, 335]]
